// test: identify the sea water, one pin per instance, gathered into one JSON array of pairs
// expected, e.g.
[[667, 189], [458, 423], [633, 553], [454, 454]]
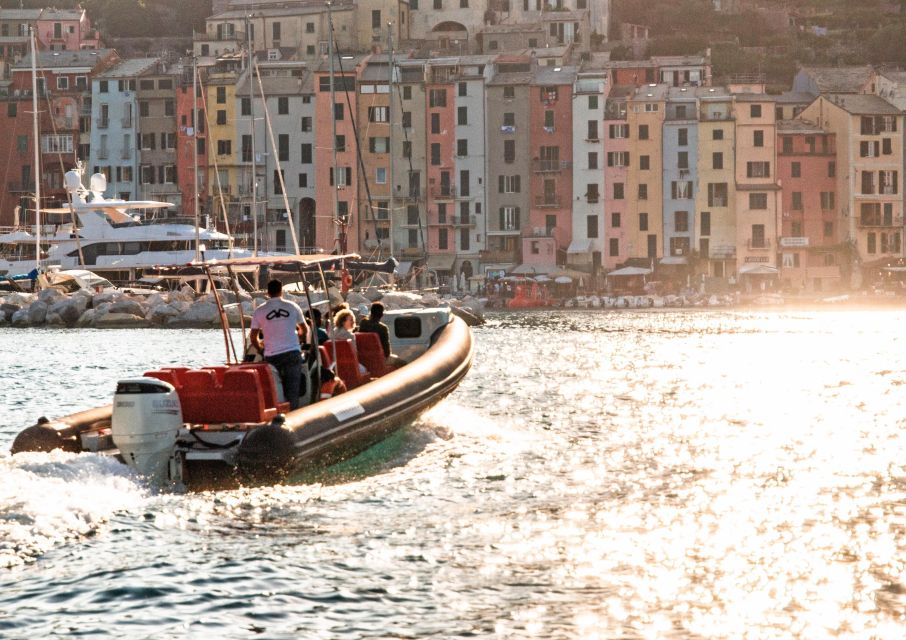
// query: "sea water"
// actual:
[[597, 475]]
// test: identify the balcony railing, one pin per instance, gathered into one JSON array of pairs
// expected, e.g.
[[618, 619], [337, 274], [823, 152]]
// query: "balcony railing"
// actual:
[[497, 256], [759, 243], [103, 123], [103, 154], [126, 123], [550, 166], [464, 221], [443, 192], [27, 187], [126, 154], [547, 200], [867, 222], [411, 252]]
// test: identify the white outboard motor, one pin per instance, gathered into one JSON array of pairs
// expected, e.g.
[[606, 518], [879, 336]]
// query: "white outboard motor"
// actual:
[[146, 420]]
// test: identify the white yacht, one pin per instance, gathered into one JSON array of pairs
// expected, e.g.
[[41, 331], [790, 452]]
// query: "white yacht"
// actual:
[[112, 241]]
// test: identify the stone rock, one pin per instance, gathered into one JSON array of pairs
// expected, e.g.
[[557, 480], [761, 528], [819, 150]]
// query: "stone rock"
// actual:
[[20, 318], [50, 296], [105, 296], [156, 299], [9, 308], [374, 294], [87, 319], [401, 300], [128, 306], [120, 320], [37, 312], [161, 313], [68, 310], [21, 299], [355, 299], [198, 313]]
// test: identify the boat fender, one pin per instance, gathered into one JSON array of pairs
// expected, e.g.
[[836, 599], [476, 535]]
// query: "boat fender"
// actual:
[[42, 437], [266, 451]]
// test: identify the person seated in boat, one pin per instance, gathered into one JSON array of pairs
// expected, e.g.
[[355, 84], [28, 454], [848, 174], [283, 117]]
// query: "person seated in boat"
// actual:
[[331, 384], [344, 329], [315, 319], [373, 324], [277, 327]]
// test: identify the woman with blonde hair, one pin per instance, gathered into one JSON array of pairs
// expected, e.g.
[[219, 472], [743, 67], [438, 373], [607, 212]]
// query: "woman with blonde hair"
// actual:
[[344, 329]]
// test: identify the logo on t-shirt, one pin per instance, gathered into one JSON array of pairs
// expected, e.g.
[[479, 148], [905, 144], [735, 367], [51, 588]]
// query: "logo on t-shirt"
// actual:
[[277, 313]]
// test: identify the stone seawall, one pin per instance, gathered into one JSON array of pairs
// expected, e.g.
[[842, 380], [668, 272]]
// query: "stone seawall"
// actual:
[[176, 309]]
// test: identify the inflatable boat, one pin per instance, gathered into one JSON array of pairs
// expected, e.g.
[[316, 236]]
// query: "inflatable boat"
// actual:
[[227, 425]]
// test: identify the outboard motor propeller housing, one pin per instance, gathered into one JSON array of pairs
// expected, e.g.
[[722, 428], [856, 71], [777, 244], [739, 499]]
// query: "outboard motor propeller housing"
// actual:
[[146, 420]]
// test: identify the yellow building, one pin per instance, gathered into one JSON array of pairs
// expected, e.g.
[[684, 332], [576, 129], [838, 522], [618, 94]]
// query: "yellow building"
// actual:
[[372, 18], [869, 168], [220, 99], [644, 187], [715, 197], [757, 189]]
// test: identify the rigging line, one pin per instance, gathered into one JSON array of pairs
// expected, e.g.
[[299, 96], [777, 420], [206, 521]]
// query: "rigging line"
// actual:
[[210, 153], [270, 132], [421, 233], [358, 146], [69, 196]]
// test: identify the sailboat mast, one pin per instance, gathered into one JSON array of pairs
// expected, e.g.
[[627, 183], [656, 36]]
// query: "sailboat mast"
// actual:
[[248, 33], [341, 226], [390, 138], [195, 153], [37, 172]]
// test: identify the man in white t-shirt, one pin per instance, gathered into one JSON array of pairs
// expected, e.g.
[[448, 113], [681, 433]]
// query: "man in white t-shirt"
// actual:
[[281, 324]]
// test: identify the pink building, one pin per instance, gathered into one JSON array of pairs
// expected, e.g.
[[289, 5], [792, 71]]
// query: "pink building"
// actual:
[[616, 141], [441, 167], [186, 139], [66, 30], [549, 231], [809, 243], [346, 182]]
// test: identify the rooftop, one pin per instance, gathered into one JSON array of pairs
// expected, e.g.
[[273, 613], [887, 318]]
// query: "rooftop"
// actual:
[[130, 68], [795, 97], [799, 126], [860, 104], [64, 59], [20, 14], [650, 92], [305, 8], [554, 76], [839, 79]]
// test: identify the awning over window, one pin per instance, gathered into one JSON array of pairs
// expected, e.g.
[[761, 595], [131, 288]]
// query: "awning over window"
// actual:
[[442, 262], [532, 269], [754, 269], [674, 260], [579, 246]]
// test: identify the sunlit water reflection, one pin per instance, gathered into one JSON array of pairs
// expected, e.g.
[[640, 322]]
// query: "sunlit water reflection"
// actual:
[[597, 475]]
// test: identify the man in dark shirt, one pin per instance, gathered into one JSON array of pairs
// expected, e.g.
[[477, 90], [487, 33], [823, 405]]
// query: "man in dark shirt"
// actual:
[[373, 324]]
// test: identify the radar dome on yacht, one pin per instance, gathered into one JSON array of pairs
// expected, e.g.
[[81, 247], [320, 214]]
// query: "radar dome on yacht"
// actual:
[[98, 183], [72, 180]]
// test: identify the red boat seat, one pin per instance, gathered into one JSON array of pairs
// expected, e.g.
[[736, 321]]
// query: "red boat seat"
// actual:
[[347, 363], [326, 360], [268, 385], [166, 376], [218, 372], [241, 398], [371, 353], [197, 394]]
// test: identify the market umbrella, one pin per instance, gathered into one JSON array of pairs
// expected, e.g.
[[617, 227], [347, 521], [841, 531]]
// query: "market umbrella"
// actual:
[[542, 278], [563, 280]]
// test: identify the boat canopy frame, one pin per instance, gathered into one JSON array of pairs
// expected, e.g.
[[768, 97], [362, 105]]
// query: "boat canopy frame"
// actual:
[[311, 263]]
